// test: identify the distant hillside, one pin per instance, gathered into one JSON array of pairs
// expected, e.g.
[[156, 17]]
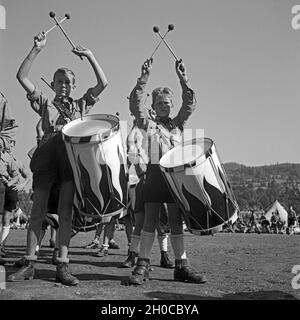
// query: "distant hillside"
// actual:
[[260, 186]]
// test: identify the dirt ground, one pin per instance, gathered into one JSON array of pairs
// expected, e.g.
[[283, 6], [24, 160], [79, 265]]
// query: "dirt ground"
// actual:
[[238, 266]]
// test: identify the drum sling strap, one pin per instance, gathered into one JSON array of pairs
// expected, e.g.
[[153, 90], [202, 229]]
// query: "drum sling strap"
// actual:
[[65, 113]]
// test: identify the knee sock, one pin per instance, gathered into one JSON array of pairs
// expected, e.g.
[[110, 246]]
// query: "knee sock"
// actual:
[[135, 241], [163, 242], [147, 239], [4, 234], [177, 242]]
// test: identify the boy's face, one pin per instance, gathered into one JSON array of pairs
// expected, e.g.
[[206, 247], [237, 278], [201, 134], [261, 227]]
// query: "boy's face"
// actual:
[[163, 108], [63, 85]]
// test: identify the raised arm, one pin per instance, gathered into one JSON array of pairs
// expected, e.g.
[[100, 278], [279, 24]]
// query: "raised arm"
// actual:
[[101, 78], [22, 75], [188, 97], [137, 95]]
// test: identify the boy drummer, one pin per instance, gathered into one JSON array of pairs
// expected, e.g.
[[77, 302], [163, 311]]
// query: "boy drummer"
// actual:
[[160, 135], [50, 163]]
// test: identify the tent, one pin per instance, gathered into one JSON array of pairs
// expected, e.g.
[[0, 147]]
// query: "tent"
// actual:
[[281, 211]]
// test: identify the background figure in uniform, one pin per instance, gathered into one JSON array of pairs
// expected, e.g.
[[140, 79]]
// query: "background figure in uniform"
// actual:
[[24, 174], [292, 220], [50, 163], [15, 185], [8, 129], [109, 234], [9, 176], [274, 219], [265, 224], [159, 136], [254, 225]]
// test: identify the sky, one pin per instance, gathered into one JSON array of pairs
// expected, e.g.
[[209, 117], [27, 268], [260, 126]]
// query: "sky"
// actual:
[[242, 60]]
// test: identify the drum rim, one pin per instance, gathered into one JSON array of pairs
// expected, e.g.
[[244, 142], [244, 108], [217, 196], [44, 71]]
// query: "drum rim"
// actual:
[[214, 229], [192, 163], [96, 137]]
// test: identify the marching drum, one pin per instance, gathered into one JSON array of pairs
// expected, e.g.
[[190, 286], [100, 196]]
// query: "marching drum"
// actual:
[[200, 186], [96, 153]]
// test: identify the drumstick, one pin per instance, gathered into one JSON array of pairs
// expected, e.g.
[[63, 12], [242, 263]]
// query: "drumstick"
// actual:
[[47, 83], [170, 28], [67, 16], [52, 15], [156, 30]]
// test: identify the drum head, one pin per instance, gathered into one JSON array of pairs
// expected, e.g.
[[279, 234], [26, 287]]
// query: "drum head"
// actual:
[[91, 128], [186, 153]]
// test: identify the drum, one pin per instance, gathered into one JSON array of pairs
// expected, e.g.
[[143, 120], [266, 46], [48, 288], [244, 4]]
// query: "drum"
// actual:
[[84, 223], [96, 153], [200, 186]]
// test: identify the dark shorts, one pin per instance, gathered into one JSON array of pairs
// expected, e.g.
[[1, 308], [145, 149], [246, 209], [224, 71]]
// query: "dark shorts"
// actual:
[[8, 198], [155, 188], [50, 162]]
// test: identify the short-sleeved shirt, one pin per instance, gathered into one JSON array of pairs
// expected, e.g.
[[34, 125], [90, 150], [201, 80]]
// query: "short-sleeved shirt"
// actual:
[[50, 162], [8, 166], [52, 119]]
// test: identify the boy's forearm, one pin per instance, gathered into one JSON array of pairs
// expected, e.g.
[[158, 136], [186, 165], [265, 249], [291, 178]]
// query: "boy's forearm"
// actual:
[[188, 105], [101, 78], [136, 104], [24, 70]]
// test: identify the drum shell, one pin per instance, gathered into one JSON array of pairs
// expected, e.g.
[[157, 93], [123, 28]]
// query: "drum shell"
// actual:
[[202, 191], [100, 171]]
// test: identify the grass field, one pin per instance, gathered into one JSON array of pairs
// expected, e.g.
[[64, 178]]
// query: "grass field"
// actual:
[[238, 266]]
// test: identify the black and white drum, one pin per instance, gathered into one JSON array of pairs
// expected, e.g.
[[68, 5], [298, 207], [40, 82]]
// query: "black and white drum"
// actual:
[[96, 153], [200, 186]]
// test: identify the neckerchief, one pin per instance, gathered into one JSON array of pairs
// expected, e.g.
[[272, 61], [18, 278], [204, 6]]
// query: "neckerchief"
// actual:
[[65, 106]]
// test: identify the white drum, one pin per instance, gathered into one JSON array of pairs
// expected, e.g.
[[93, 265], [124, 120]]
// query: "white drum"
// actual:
[[96, 153], [200, 186]]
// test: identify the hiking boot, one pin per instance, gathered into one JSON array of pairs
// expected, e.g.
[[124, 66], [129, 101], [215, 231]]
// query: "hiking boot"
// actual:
[[51, 243], [64, 276], [19, 263], [54, 256], [185, 273], [93, 245], [131, 260], [25, 273], [2, 262], [113, 245], [165, 262], [140, 272]]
